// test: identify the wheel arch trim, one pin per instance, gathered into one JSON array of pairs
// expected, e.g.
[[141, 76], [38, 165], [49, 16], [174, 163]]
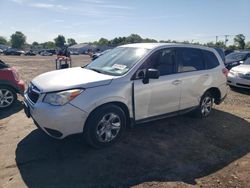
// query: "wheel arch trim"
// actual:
[[9, 84], [119, 103], [215, 92]]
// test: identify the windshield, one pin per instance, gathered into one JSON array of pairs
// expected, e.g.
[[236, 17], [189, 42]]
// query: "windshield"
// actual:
[[247, 62], [117, 61], [236, 56]]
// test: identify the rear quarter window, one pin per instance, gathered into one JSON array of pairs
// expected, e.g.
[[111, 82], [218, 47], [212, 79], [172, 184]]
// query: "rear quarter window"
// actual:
[[3, 65], [211, 59]]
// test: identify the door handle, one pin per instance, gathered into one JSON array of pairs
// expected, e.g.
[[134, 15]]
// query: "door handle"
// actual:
[[176, 82], [206, 75]]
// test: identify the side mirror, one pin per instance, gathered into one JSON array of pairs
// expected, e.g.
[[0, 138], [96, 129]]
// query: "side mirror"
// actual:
[[151, 74]]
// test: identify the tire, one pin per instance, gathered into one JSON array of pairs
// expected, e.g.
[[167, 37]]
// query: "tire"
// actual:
[[8, 97], [105, 126], [233, 87], [205, 106]]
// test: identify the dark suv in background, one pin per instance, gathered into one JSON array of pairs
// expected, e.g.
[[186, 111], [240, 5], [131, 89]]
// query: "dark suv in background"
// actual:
[[11, 51], [236, 58]]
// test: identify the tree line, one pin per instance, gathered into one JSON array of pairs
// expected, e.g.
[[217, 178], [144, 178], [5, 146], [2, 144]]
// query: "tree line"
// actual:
[[18, 41]]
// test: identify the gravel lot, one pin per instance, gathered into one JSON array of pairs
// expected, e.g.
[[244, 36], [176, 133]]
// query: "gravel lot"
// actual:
[[174, 152]]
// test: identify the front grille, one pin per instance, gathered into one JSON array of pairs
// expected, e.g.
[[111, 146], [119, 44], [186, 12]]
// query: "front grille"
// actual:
[[244, 85], [33, 93], [244, 76]]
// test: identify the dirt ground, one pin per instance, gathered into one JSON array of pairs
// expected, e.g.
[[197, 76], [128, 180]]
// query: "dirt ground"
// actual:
[[175, 152]]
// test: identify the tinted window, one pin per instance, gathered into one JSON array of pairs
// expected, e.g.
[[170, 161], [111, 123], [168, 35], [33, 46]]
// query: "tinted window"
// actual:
[[3, 65], [236, 56], [247, 62], [190, 59], [211, 59], [163, 60]]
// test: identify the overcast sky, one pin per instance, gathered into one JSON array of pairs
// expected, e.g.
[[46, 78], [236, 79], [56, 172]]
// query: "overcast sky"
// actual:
[[89, 20]]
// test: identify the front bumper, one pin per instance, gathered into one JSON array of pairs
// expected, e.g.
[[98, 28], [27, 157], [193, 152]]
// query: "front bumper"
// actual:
[[234, 80], [56, 121]]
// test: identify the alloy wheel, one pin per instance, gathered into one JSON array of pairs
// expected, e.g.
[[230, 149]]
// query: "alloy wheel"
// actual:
[[206, 106], [6, 98], [108, 127]]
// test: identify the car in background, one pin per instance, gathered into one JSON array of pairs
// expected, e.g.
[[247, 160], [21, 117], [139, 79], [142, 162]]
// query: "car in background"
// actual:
[[1, 51], [45, 53], [98, 54], [74, 53], [239, 76], [228, 52], [53, 51], [10, 85], [30, 53], [11, 51], [21, 51], [236, 58]]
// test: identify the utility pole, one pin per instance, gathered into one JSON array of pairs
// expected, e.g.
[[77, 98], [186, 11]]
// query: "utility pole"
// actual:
[[216, 40], [226, 39]]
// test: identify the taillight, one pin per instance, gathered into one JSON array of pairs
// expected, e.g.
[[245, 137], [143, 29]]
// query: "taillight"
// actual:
[[15, 74], [225, 71]]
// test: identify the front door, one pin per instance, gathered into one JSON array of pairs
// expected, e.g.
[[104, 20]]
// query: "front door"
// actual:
[[159, 96]]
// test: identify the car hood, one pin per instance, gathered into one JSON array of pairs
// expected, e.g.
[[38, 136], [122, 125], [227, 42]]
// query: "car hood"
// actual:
[[242, 69], [70, 78]]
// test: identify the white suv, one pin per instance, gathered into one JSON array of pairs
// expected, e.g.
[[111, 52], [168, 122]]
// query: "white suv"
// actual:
[[130, 84]]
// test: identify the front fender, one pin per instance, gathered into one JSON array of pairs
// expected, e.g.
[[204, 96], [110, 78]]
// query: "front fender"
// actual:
[[92, 98]]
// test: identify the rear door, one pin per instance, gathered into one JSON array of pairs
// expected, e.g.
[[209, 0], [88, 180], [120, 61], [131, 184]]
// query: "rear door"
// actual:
[[193, 76]]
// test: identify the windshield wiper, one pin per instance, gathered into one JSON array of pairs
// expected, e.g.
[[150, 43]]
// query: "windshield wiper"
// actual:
[[96, 70], [99, 71], [84, 66]]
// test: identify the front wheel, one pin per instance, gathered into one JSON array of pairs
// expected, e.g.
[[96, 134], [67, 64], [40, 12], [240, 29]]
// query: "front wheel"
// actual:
[[205, 106], [105, 126]]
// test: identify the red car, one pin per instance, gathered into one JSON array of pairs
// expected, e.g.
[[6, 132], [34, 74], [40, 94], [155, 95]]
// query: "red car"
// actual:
[[10, 85]]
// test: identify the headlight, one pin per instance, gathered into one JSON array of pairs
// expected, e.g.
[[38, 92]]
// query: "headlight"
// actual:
[[16, 75], [231, 72], [61, 98]]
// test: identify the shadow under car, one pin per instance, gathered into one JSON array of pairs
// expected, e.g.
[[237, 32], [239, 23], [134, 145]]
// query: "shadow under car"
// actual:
[[174, 149]]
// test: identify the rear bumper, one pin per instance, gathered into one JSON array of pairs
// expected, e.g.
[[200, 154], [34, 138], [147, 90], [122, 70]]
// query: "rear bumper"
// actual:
[[21, 87]]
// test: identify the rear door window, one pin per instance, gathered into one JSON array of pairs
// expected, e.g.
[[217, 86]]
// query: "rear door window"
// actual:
[[190, 59]]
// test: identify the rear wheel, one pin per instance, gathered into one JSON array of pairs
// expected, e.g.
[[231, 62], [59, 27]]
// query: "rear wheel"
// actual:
[[105, 126], [8, 97], [205, 107]]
